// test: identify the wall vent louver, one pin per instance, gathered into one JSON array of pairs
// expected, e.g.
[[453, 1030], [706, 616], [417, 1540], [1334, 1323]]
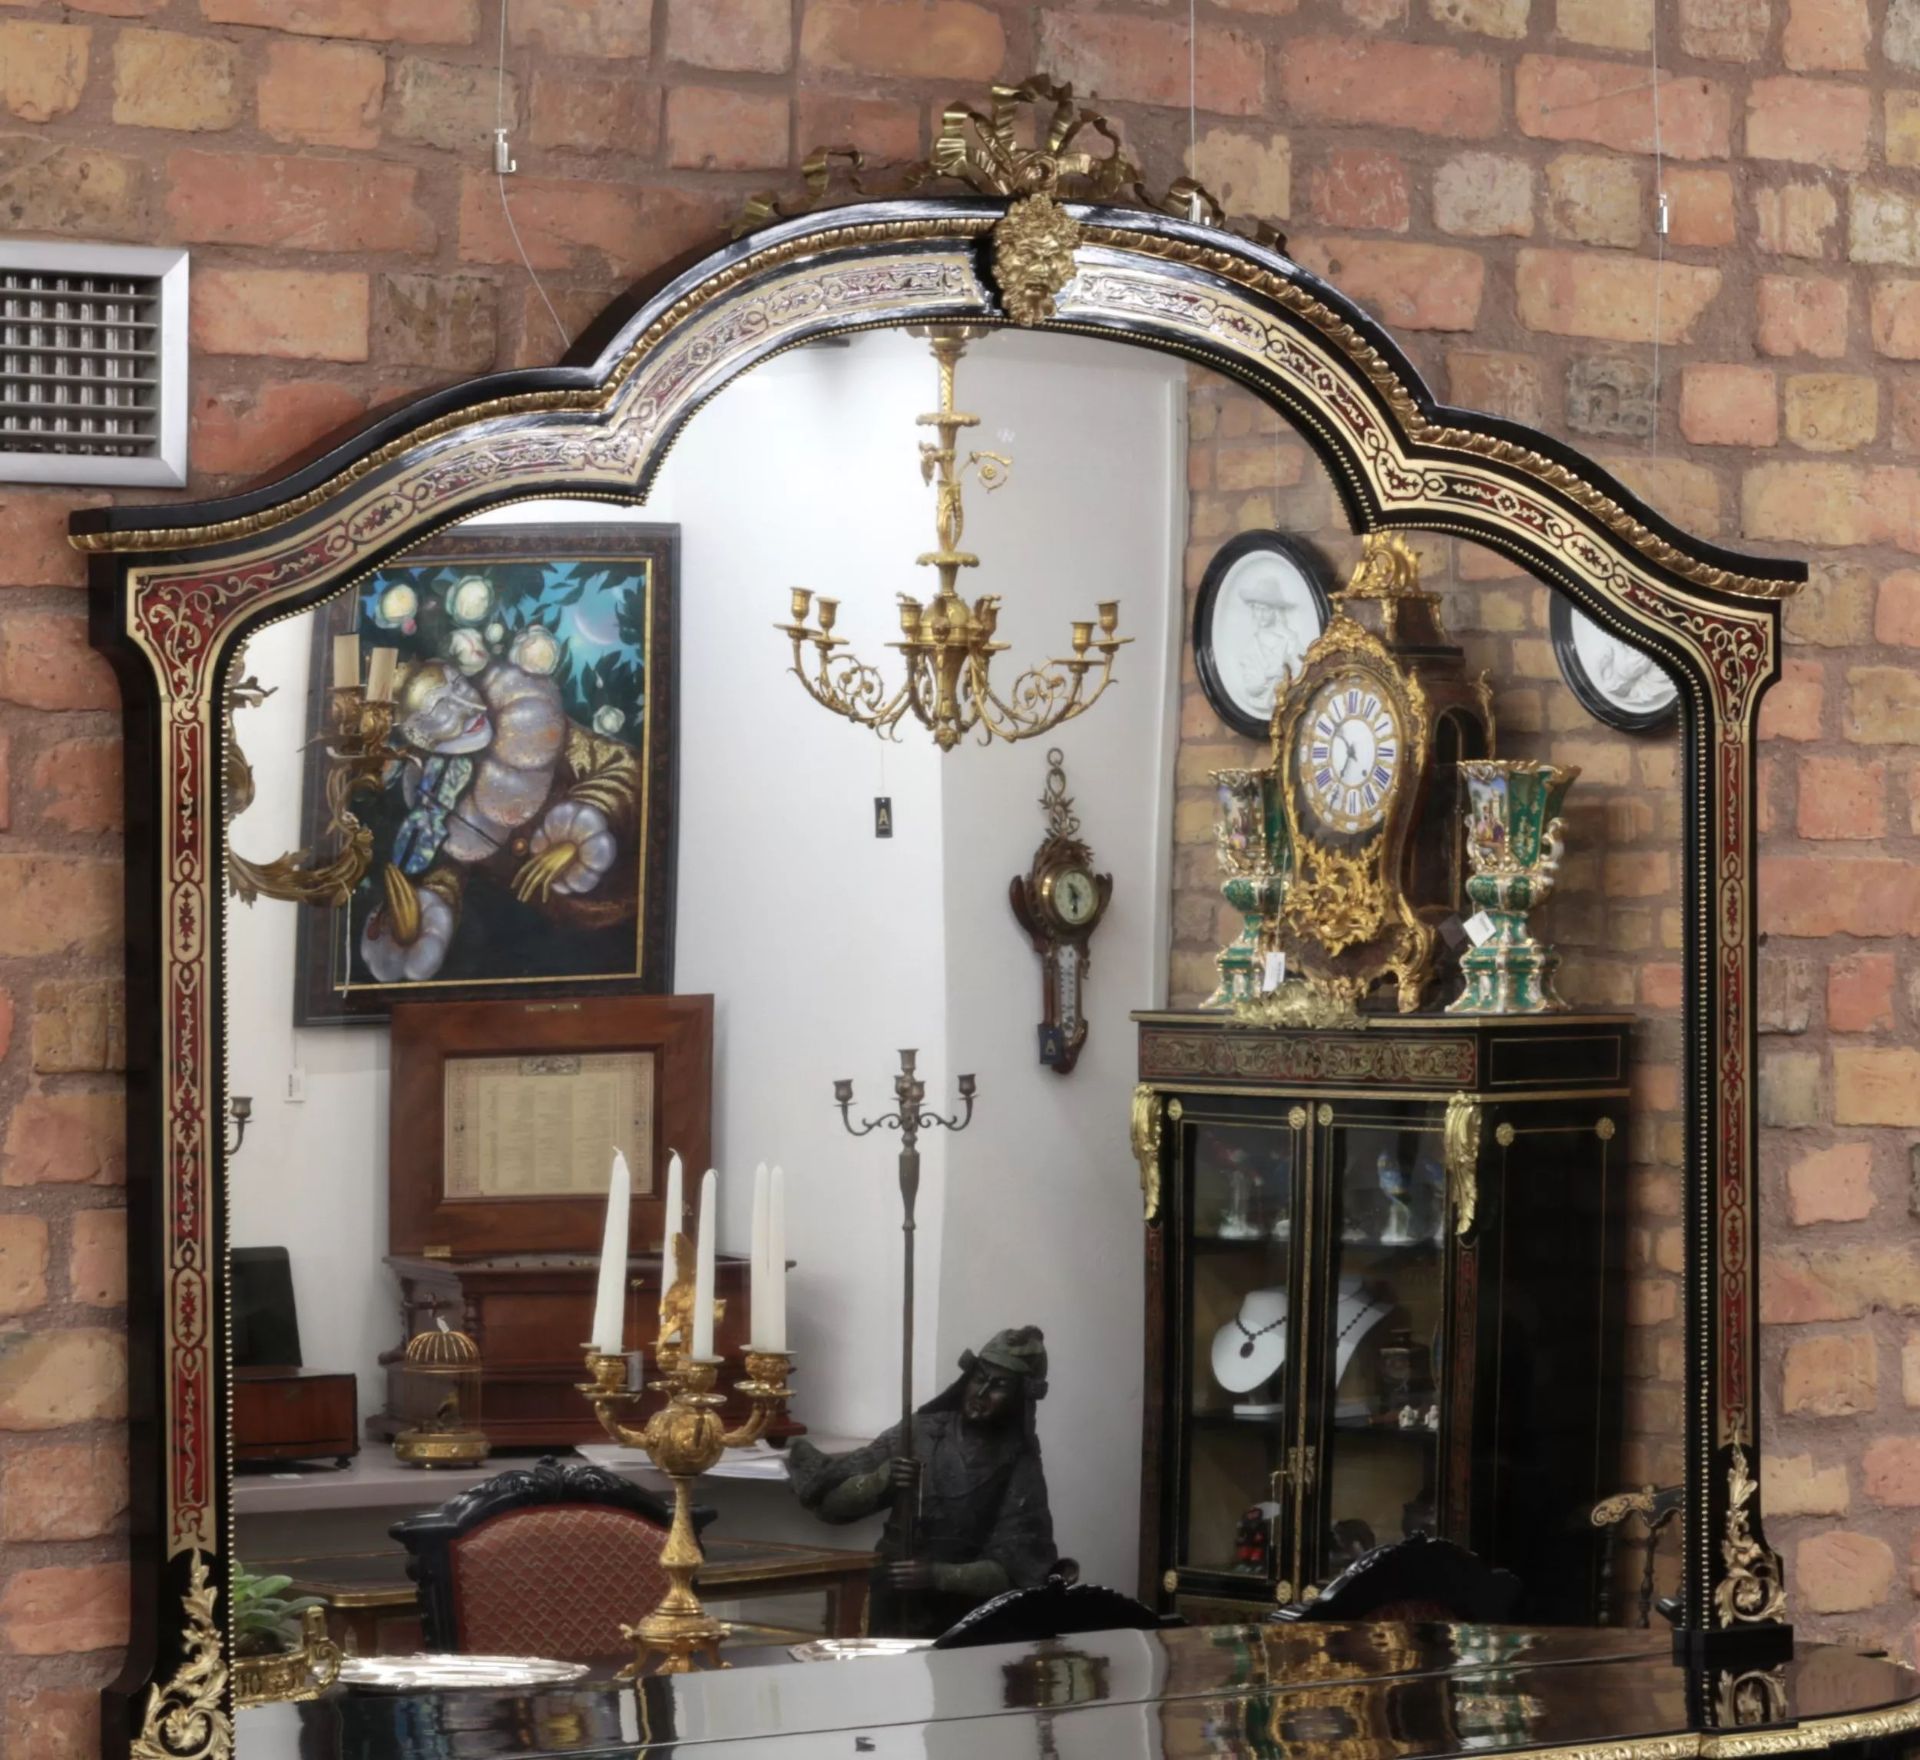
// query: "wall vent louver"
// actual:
[[93, 364]]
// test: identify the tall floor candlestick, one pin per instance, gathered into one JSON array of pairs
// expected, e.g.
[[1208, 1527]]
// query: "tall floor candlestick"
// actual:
[[909, 1118]]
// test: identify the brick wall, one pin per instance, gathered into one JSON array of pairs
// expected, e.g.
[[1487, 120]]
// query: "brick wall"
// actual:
[[1478, 171]]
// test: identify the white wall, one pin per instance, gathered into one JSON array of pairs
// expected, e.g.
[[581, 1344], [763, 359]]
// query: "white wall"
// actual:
[[826, 948]]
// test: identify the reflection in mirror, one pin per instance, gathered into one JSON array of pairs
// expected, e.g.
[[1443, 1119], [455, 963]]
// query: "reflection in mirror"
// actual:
[[590, 777]]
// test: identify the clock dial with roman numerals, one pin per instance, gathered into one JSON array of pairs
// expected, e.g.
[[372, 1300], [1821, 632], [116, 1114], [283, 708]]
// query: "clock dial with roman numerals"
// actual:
[[1349, 753]]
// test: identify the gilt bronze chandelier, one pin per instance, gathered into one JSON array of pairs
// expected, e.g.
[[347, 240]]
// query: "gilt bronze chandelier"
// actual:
[[948, 644]]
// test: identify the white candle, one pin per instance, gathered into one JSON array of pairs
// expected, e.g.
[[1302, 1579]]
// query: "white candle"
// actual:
[[610, 1305], [776, 1328], [759, 1282], [702, 1347], [675, 1217]]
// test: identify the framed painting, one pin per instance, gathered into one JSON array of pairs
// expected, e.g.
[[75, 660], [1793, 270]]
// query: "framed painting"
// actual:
[[523, 827]]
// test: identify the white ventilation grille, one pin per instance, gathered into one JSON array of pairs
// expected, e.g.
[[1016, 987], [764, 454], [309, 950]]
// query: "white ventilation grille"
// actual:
[[93, 364]]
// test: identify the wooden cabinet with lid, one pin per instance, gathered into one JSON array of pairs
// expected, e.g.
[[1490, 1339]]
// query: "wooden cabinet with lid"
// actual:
[[1385, 1274]]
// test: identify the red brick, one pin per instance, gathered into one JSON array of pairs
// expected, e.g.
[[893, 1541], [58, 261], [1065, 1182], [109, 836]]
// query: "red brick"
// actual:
[[1831, 1375], [1729, 406], [1896, 615], [452, 105], [34, 551], [64, 1491], [1611, 103], [167, 79], [297, 203], [1795, 219], [1876, 1085], [45, 663], [59, 1610], [65, 188], [97, 1258], [605, 30], [744, 36], [79, 1024], [1801, 314], [595, 113], [1817, 896], [1392, 84], [1893, 316], [50, 904], [235, 432], [887, 130], [1839, 1572], [1860, 992], [326, 94], [1831, 1185], [1700, 210], [1890, 1471], [1589, 293], [1356, 186], [52, 1379], [296, 314], [1842, 797], [23, 1266], [1409, 286], [1826, 36], [379, 21], [78, 782], [565, 223], [50, 1723], [1501, 384], [710, 128], [65, 1139], [43, 67], [1809, 121], [908, 39], [1146, 60], [1725, 30]]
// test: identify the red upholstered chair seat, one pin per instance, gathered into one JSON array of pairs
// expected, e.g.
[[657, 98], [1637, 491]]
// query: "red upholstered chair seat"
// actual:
[[555, 1581]]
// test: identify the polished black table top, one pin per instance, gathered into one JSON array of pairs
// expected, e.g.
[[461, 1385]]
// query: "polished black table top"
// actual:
[[1383, 1691]]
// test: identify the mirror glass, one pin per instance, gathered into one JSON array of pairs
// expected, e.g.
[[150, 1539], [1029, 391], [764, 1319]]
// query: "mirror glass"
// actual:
[[570, 676]]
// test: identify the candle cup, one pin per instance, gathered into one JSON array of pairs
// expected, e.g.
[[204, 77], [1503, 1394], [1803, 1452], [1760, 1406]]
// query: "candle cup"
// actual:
[[802, 601], [829, 613]]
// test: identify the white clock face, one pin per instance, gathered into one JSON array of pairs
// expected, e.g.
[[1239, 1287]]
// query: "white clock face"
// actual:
[[1074, 897], [1349, 753]]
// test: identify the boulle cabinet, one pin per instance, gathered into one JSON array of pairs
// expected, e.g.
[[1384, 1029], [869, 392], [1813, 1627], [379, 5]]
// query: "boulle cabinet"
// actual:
[[1384, 1275]]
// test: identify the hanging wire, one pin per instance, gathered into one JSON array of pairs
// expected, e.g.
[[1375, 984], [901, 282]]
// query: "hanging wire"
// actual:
[[1660, 213], [500, 178]]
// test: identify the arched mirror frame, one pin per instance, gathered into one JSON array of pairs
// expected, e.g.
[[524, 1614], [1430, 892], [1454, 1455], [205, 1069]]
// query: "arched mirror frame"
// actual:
[[173, 601]]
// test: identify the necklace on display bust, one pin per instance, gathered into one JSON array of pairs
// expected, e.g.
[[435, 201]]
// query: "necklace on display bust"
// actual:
[[1251, 1348], [1246, 1350]]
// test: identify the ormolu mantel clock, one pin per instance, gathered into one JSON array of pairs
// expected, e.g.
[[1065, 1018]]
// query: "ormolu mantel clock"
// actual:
[[1059, 902], [1365, 740]]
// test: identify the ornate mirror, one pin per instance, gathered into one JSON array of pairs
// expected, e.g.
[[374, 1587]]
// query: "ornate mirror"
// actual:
[[593, 583]]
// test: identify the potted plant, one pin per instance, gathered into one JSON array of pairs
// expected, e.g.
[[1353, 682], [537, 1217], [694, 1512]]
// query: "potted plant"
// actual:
[[280, 1645]]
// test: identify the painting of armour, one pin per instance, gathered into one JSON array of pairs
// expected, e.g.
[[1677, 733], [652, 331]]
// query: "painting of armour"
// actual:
[[522, 830]]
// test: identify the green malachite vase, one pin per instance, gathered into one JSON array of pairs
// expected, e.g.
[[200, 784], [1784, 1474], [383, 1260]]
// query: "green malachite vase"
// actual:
[[1514, 843], [1250, 837]]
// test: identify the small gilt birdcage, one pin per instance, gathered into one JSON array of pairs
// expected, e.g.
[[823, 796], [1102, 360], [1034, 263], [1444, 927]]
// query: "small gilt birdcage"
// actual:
[[442, 1395]]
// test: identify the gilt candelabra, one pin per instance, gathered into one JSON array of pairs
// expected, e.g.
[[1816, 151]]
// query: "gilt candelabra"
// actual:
[[948, 645], [684, 1439]]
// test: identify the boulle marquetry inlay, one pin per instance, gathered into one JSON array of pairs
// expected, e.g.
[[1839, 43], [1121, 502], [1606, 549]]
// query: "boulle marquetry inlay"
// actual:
[[1361, 1057]]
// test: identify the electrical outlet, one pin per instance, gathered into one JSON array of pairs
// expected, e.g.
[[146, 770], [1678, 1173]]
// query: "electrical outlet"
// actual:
[[296, 1085]]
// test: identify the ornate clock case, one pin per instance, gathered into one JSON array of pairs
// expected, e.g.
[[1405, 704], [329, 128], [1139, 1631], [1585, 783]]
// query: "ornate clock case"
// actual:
[[1365, 744], [1059, 902], [990, 232]]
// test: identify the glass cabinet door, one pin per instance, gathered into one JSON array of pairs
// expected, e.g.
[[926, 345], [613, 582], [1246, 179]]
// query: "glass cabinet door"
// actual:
[[1235, 1408], [1379, 1312]]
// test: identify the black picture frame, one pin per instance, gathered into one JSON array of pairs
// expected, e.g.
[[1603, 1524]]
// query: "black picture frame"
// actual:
[[1560, 627], [1316, 570], [325, 939]]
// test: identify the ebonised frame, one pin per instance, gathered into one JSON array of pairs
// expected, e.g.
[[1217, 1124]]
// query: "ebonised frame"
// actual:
[[176, 589]]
